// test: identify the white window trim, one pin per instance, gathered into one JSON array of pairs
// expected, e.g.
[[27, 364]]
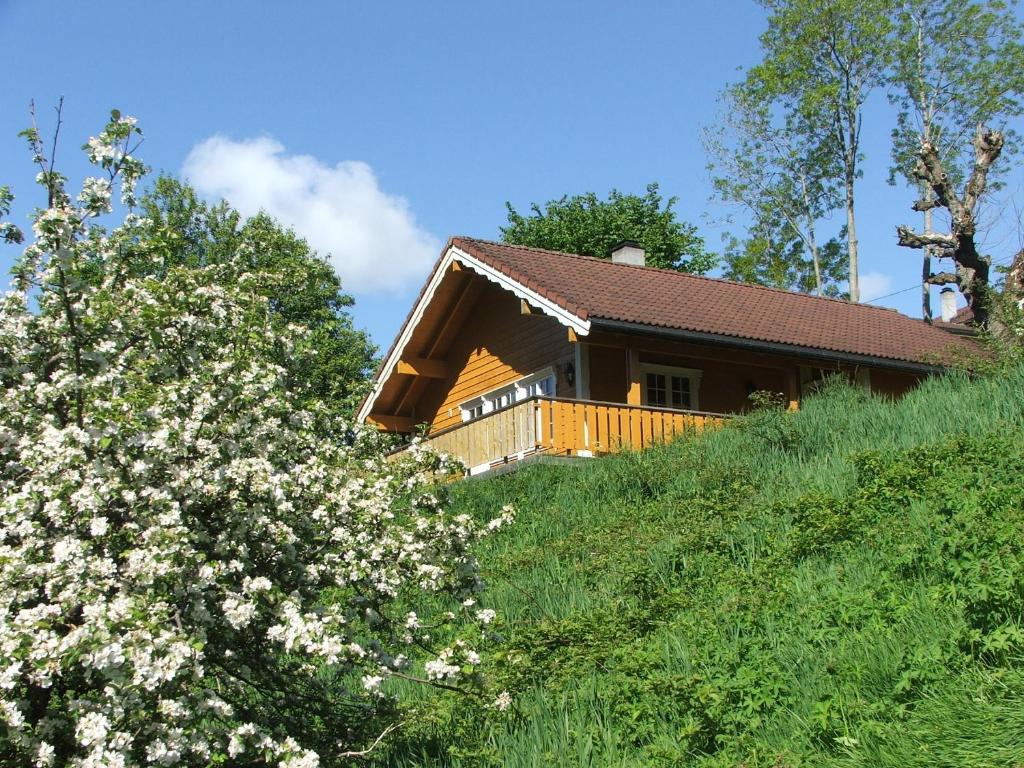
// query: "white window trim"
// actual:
[[693, 374], [518, 388]]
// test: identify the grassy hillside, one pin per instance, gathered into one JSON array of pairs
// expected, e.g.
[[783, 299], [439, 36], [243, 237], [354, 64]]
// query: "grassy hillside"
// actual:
[[840, 587]]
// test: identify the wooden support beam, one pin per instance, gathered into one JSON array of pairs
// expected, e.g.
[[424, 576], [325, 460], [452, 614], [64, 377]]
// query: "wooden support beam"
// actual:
[[792, 387], [391, 423], [573, 338], [457, 266], [525, 308], [420, 366], [633, 396]]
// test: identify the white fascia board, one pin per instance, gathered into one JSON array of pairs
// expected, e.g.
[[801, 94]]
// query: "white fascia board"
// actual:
[[405, 334], [582, 327], [548, 307]]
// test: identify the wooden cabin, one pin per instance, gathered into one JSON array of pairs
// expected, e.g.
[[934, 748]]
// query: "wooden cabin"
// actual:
[[512, 351]]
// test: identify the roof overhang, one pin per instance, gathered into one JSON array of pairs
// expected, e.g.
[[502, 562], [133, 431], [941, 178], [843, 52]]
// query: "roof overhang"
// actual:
[[454, 255], [809, 353]]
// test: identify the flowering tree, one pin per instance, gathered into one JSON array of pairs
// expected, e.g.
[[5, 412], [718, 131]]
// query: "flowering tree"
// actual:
[[193, 568], [306, 289]]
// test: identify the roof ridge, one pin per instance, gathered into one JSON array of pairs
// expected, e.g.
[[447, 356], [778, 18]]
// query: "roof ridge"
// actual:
[[724, 280]]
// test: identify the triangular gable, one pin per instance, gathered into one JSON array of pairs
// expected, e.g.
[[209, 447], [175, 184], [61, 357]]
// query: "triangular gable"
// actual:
[[456, 258]]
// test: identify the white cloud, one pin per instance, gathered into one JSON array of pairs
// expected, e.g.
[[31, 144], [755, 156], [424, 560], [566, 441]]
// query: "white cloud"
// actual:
[[874, 285], [370, 236]]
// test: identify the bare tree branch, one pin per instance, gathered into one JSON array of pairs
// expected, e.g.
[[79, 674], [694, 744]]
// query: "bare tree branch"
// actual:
[[987, 146], [925, 205], [972, 268], [942, 278], [365, 752], [910, 239]]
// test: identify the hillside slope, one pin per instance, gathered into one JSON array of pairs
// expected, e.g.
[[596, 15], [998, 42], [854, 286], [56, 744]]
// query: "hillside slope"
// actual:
[[842, 587]]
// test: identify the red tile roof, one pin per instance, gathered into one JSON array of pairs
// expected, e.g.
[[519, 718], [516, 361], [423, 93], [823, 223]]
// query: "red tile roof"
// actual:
[[597, 289]]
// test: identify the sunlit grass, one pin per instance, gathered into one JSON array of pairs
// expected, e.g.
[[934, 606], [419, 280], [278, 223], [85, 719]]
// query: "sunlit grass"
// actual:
[[783, 592]]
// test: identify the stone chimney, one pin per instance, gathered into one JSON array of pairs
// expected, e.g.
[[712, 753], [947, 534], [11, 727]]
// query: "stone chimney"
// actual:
[[629, 252], [947, 303]]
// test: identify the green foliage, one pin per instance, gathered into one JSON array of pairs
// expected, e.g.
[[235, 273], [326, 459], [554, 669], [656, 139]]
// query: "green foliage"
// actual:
[[821, 61], [769, 421], [8, 232], [842, 586], [336, 358], [783, 172], [587, 225], [773, 254]]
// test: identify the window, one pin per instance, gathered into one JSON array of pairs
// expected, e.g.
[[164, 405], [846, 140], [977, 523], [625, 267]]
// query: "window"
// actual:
[[540, 384], [669, 387]]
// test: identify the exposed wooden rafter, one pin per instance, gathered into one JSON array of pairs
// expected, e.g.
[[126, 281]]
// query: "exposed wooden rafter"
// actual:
[[391, 423], [463, 303], [421, 366]]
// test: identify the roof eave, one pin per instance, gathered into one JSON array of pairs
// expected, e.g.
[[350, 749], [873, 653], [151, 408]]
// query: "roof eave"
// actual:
[[757, 345]]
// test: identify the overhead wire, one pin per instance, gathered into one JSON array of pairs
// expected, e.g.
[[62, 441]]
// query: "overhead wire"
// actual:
[[918, 285]]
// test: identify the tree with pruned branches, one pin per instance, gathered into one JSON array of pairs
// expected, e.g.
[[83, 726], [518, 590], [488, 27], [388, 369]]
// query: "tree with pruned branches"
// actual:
[[957, 67]]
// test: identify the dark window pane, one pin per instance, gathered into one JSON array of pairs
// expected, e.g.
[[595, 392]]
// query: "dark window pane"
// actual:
[[681, 392], [656, 390]]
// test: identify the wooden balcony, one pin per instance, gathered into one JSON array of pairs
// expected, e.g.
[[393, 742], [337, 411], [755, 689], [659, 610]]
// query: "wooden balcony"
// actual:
[[560, 427]]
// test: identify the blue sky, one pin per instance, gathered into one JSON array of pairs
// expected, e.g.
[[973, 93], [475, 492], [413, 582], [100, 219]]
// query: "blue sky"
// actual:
[[379, 129]]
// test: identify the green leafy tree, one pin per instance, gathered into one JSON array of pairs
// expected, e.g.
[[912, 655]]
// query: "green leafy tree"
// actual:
[[957, 65], [822, 59], [785, 179], [304, 289], [587, 225], [774, 254]]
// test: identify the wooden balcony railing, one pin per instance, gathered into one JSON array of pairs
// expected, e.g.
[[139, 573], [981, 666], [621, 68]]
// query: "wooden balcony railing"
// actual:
[[561, 427]]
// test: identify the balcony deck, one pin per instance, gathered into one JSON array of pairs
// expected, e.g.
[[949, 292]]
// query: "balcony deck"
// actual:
[[563, 427]]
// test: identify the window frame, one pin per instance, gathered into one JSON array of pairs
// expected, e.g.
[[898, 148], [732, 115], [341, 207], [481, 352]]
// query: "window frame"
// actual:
[[516, 391], [693, 374]]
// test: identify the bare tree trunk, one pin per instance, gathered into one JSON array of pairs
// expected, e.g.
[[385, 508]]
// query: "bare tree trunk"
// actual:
[[812, 243], [851, 241], [926, 193], [926, 261], [851, 141]]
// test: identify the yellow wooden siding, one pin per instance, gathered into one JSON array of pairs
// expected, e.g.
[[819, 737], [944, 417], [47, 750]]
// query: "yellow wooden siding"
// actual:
[[497, 346], [724, 386], [727, 375]]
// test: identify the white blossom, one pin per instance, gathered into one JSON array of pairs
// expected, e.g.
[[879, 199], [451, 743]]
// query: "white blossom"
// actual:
[[372, 683], [173, 514], [502, 701], [92, 727]]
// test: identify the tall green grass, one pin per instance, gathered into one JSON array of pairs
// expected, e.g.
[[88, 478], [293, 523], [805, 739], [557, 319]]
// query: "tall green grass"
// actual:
[[841, 586]]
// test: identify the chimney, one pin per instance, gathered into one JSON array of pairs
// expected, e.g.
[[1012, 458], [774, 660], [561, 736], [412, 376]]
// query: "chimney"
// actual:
[[947, 302], [629, 252]]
